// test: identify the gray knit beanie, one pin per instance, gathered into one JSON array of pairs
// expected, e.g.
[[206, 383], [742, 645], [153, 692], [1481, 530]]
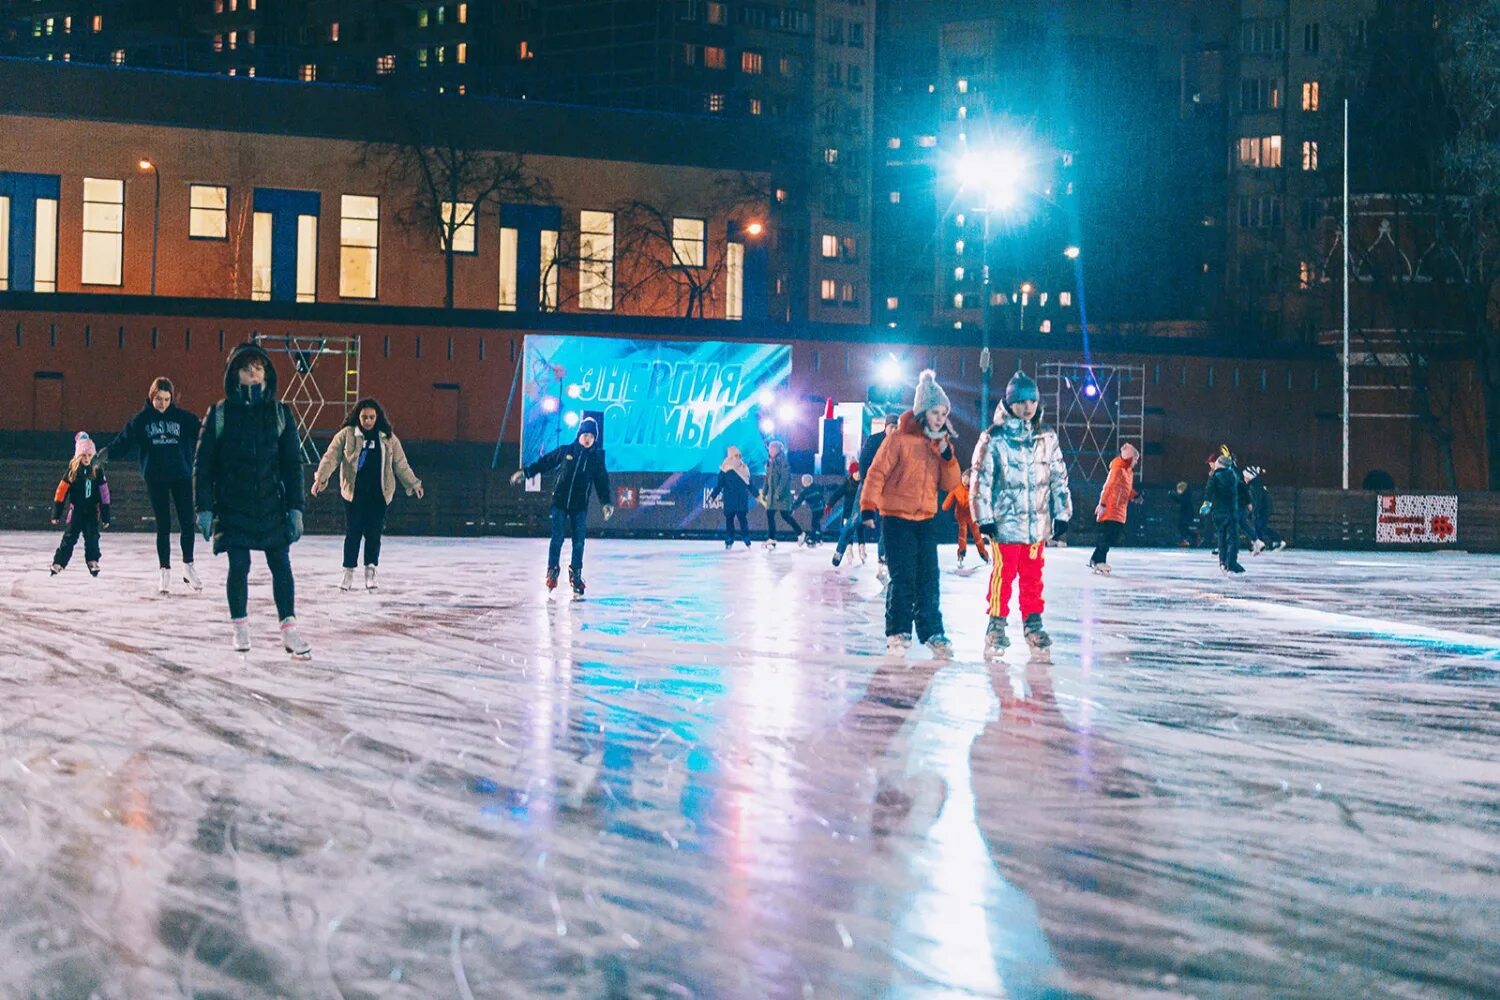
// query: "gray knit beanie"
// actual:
[[929, 393]]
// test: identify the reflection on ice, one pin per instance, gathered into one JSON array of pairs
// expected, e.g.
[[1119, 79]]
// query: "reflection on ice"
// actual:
[[703, 782]]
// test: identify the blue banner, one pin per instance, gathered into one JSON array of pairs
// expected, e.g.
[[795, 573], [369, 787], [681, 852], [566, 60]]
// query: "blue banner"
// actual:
[[666, 406]]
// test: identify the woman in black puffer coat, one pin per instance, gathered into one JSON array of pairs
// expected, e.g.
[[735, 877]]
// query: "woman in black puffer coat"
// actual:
[[248, 476]]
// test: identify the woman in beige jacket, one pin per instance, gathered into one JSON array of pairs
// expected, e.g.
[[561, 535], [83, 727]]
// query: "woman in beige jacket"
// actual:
[[370, 460]]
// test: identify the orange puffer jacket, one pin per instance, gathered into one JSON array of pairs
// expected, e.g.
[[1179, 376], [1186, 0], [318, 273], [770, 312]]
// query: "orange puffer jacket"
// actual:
[[1119, 490], [907, 474]]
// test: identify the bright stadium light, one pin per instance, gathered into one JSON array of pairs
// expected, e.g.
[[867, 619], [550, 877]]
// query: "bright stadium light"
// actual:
[[786, 412], [767, 426], [890, 372], [571, 419], [1071, 253], [549, 404], [996, 175], [766, 399]]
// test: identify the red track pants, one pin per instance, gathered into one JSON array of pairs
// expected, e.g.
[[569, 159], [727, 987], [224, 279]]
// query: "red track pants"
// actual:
[[1011, 560]]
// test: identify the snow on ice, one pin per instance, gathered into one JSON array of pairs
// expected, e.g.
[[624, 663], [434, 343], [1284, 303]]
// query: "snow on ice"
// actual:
[[707, 780]]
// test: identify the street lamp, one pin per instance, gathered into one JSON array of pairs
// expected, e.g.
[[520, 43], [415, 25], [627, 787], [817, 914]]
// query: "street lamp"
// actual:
[[1024, 293], [146, 166]]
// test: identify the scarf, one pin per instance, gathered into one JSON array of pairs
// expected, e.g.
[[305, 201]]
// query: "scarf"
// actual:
[[737, 466]]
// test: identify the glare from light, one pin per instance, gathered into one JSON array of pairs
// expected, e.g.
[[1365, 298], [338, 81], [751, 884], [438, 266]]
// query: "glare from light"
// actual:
[[146, 166], [755, 229], [549, 404], [571, 419], [999, 175], [786, 412], [890, 371], [1091, 390], [1026, 288], [1071, 253], [575, 390], [767, 425], [766, 398]]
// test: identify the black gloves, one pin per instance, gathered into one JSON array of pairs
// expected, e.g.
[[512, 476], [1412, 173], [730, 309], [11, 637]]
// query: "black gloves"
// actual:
[[988, 530], [1059, 528]]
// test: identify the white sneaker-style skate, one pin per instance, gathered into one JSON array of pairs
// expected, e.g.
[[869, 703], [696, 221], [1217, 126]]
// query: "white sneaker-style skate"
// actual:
[[1256, 547], [241, 636], [165, 584], [370, 583], [190, 576], [292, 640], [942, 648], [897, 645], [1100, 568], [768, 544], [961, 559], [347, 583], [882, 574], [862, 553]]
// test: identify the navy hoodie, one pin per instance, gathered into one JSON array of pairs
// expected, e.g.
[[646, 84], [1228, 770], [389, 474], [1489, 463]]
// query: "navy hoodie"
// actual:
[[166, 442]]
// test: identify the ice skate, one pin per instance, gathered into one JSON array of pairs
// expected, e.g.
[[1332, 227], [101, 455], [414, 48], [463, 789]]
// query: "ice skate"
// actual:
[[370, 583], [961, 560], [347, 583], [1256, 547], [897, 645], [56, 569], [1279, 546], [1100, 568], [802, 539], [768, 544], [996, 641], [942, 648], [164, 585], [190, 576], [838, 557], [241, 637], [882, 574], [575, 580], [298, 647], [1234, 569], [862, 555], [93, 569], [1036, 636], [552, 573]]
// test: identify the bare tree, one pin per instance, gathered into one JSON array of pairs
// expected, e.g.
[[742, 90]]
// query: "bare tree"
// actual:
[[452, 182]]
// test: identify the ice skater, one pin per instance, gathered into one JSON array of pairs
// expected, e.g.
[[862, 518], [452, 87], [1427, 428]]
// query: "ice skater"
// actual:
[[852, 525], [734, 486], [82, 503], [914, 463], [1266, 537], [1221, 499], [1114, 499], [583, 469], [959, 502], [1187, 516], [776, 494], [867, 454], [815, 499], [1021, 502], [248, 476], [370, 461], [165, 436]]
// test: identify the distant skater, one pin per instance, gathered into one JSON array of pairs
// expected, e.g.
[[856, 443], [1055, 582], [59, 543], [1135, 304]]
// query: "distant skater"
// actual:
[[734, 486], [1114, 501]]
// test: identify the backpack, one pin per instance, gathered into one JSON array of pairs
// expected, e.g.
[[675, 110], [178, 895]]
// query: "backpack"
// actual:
[[219, 419]]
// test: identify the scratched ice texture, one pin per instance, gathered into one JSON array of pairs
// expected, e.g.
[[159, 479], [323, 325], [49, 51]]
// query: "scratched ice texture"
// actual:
[[707, 780]]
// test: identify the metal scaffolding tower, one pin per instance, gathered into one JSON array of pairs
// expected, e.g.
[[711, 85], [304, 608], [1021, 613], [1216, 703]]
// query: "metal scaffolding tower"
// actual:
[[307, 396], [1094, 409]]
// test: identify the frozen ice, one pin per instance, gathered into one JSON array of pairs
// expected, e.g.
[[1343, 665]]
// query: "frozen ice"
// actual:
[[708, 780]]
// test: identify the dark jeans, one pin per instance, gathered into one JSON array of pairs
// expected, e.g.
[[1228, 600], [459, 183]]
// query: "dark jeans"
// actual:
[[164, 496], [283, 588], [1247, 526], [364, 520], [912, 558], [785, 516], [1109, 536], [1228, 533], [568, 524], [730, 517], [1264, 531], [88, 527], [1187, 530]]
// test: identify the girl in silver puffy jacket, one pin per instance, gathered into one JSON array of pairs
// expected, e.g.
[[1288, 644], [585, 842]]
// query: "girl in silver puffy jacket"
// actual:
[[1020, 501]]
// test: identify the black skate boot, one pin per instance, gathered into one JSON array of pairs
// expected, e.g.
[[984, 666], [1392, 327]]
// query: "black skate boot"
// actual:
[[1036, 636], [552, 572], [575, 579], [996, 642]]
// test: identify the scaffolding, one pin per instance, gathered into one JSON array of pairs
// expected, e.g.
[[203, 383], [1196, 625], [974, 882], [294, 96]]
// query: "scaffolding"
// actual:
[[1094, 409], [308, 397]]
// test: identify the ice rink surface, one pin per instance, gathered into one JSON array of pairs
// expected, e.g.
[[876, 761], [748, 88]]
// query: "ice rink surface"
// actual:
[[707, 780]]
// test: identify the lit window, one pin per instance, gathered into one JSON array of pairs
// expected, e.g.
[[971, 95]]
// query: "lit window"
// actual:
[[333, 31], [508, 269], [958, 247], [234, 39], [958, 274], [1065, 299], [1305, 275], [785, 66], [734, 281], [1309, 155], [68, 24], [828, 290], [958, 300], [963, 86], [250, 39], [894, 142], [51, 25], [463, 53], [307, 72], [850, 248], [422, 58], [958, 220], [1310, 95], [97, 24], [713, 102], [250, 71], [525, 51], [689, 242], [752, 62], [218, 43], [458, 220], [596, 260], [208, 212], [927, 141], [218, 6], [440, 54], [359, 246], [233, 71], [463, 13], [846, 293], [103, 231], [755, 106], [1046, 326], [1261, 152], [830, 156], [442, 14], [895, 197], [716, 13], [963, 112], [891, 302], [550, 266], [117, 57], [713, 56], [4, 243], [45, 278], [385, 65], [781, 195], [830, 245], [422, 17]]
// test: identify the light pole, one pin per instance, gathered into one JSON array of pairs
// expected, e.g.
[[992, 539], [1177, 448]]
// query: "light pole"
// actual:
[[147, 166], [1025, 293], [997, 176]]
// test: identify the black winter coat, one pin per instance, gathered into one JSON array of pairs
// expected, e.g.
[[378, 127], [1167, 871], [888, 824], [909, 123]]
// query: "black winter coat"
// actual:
[[166, 442], [1261, 498], [582, 469], [250, 475], [736, 492], [1223, 492]]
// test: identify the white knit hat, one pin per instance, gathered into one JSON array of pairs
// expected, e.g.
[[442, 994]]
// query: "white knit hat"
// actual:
[[929, 393]]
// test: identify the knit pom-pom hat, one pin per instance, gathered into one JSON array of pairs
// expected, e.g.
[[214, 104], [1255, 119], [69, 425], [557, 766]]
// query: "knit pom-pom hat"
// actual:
[[929, 393], [83, 444]]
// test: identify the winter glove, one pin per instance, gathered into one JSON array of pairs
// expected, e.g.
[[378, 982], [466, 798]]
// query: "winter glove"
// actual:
[[518, 477], [294, 521], [988, 530], [1203, 511], [206, 525], [867, 520], [1059, 528], [609, 511]]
